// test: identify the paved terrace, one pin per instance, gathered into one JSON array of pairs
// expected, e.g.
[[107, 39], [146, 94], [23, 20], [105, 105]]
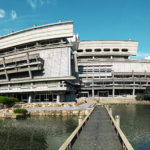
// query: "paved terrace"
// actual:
[[79, 107], [98, 133]]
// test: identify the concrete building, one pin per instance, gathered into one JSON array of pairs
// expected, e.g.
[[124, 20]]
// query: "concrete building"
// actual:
[[105, 69], [37, 64], [46, 63]]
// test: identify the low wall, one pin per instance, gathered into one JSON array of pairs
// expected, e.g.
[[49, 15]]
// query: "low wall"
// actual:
[[111, 100], [33, 105], [58, 113]]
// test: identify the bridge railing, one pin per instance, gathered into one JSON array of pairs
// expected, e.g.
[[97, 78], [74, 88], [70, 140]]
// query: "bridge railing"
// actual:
[[71, 139], [124, 141]]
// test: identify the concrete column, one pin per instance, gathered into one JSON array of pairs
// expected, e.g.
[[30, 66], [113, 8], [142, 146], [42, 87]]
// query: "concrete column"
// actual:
[[133, 85], [69, 62], [133, 91], [75, 59], [113, 88], [93, 88], [30, 98], [29, 68], [5, 69], [93, 92], [58, 98], [113, 91]]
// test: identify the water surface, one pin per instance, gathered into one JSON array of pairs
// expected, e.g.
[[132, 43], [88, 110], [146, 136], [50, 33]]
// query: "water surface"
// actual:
[[135, 123], [35, 133]]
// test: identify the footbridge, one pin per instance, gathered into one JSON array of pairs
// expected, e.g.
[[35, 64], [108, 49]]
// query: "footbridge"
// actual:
[[97, 131]]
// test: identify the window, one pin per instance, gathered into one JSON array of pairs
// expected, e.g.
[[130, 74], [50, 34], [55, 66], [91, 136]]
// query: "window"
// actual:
[[80, 50], [106, 50], [88, 50], [115, 50], [97, 50], [124, 50], [32, 60]]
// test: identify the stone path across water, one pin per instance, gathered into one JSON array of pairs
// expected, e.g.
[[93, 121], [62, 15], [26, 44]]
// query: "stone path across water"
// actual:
[[98, 133], [80, 107]]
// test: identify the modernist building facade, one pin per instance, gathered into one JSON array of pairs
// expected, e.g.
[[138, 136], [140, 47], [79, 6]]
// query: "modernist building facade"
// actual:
[[105, 69], [49, 63], [37, 64]]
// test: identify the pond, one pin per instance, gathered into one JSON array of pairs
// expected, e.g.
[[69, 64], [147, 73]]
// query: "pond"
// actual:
[[135, 123], [35, 133]]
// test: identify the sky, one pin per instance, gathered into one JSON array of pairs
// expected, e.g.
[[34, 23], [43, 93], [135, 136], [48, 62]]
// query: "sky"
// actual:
[[93, 19]]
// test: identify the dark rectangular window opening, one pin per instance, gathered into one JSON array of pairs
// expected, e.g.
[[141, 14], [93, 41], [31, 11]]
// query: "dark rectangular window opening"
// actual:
[[124, 50], [106, 50], [115, 50], [88, 50], [80, 50], [97, 50]]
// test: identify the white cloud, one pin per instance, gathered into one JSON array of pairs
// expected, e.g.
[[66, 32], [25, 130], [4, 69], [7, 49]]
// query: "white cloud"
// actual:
[[13, 14], [148, 57], [32, 3], [35, 3], [2, 13], [142, 55]]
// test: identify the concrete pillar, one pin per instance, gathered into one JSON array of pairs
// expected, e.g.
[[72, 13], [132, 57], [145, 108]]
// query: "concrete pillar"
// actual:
[[29, 68], [30, 98], [5, 69], [69, 62], [113, 89], [58, 98], [117, 119], [113, 92], [133, 91], [93, 88]]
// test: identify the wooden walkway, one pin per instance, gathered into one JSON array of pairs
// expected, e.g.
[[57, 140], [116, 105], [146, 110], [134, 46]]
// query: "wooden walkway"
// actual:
[[98, 133]]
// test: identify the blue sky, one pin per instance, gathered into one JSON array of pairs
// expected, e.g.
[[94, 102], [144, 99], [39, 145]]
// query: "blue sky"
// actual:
[[93, 19]]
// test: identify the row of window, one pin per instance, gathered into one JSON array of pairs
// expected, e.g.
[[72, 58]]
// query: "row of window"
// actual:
[[95, 66], [100, 50], [93, 71], [101, 57]]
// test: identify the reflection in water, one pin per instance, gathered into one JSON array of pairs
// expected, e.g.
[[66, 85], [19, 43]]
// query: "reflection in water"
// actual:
[[36, 133], [135, 123]]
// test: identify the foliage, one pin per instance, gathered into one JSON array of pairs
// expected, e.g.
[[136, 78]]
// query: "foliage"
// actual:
[[139, 96], [8, 100], [20, 111]]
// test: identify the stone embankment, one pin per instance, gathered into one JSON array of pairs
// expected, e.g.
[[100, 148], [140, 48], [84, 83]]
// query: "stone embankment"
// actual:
[[48, 109], [9, 113], [44, 104], [110, 100]]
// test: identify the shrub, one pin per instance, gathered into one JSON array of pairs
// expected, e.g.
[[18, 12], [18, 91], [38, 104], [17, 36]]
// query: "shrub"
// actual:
[[140, 97], [20, 111], [8, 100]]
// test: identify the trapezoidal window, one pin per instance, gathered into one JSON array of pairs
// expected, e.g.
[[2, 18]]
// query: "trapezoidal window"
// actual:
[[115, 50], [97, 50], [80, 50], [106, 50], [88, 50], [124, 50]]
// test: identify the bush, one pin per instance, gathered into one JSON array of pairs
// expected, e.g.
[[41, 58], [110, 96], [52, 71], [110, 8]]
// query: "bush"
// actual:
[[20, 111], [140, 97], [8, 100]]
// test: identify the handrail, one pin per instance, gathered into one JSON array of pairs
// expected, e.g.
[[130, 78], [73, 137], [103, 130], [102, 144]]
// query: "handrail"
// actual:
[[125, 143], [68, 143]]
